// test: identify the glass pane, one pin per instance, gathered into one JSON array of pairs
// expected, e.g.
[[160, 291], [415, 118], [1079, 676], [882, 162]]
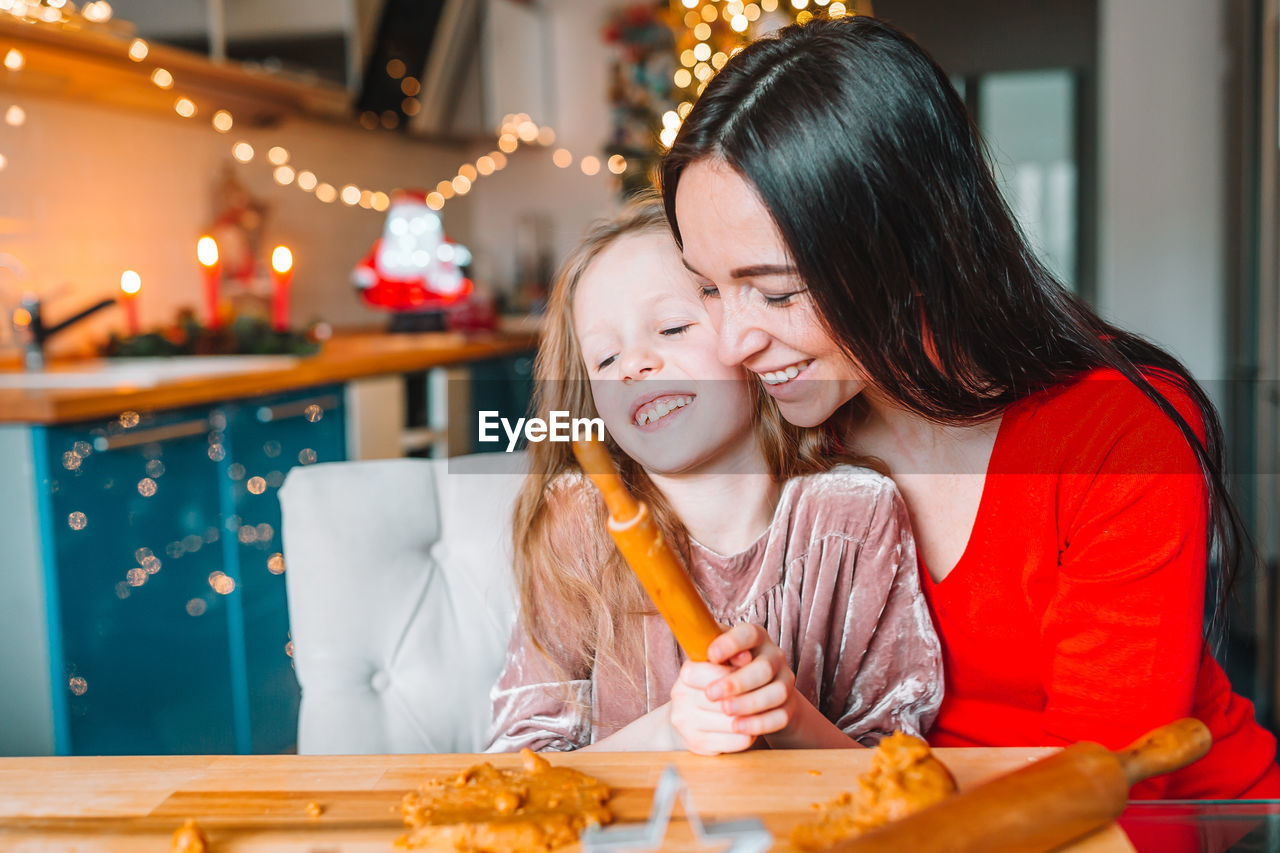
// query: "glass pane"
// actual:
[[1203, 826], [1028, 120]]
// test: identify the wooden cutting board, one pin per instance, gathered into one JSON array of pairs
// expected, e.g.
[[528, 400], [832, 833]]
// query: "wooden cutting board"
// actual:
[[259, 803]]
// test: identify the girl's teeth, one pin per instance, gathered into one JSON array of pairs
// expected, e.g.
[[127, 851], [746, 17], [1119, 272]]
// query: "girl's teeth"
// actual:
[[666, 407]]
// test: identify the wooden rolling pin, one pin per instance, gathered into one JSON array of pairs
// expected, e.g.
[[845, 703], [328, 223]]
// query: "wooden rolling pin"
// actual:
[[1044, 805], [655, 562]]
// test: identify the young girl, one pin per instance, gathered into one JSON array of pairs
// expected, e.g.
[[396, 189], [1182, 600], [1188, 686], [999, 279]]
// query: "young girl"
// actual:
[[816, 570]]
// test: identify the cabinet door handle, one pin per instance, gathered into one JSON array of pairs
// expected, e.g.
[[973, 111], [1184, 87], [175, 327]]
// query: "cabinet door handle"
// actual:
[[267, 414], [152, 435]]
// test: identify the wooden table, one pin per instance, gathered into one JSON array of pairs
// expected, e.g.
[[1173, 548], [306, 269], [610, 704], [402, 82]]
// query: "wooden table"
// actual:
[[260, 802]]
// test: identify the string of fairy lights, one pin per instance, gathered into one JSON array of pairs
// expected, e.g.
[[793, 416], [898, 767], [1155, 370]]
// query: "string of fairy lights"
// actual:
[[516, 129], [714, 31]]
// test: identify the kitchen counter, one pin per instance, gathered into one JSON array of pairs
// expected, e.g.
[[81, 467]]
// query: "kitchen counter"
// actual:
[[260, 802], [344, 357]]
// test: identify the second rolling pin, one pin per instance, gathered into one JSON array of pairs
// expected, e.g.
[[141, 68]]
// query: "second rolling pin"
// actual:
[[650, 556], [1044, 805]]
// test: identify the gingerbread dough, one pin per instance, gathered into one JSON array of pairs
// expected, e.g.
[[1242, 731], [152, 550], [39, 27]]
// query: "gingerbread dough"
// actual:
[[487, 810], [904, 778]]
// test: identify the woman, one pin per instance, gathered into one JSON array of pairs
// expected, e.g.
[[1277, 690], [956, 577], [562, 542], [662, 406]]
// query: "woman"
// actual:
[[1064, 477]]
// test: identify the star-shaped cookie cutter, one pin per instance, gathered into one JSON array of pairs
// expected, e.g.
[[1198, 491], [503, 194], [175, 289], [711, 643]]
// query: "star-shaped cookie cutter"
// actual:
[[747, 835]]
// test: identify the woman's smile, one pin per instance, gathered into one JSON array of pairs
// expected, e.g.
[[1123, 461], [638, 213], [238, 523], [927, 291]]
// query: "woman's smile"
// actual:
[[743, 269], [773, 378]]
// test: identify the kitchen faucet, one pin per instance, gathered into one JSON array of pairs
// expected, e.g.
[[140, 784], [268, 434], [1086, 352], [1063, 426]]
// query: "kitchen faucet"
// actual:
[[28, 324]]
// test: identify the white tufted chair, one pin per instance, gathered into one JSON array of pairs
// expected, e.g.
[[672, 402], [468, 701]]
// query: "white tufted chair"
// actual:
[[400, 599]]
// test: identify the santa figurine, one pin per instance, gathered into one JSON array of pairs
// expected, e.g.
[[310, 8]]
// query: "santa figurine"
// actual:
[[413, 268]]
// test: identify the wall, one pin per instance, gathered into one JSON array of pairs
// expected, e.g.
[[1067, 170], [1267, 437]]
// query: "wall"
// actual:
[[90, 192], [1159, 68], [981, 36], [531, 183], [1162, 175]]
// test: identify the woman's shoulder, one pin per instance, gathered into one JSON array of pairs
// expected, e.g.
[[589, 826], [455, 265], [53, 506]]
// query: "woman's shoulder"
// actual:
[[1098, 415], [1106, 392]]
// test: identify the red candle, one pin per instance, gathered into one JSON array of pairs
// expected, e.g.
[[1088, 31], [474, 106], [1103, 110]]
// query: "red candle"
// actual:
[[281, 280], [130, 287], [207, 254]]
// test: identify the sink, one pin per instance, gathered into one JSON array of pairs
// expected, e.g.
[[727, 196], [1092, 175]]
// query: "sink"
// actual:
[[143, 372]]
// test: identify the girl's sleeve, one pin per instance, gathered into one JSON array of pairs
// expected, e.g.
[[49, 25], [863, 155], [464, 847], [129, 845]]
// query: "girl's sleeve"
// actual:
[[543, 700], [534, 706], [887, 661]]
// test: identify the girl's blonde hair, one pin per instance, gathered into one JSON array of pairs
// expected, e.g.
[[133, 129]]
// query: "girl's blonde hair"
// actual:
[[548, 570]]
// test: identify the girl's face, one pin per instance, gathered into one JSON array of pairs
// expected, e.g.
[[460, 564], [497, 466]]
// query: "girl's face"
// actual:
[[755, 297], [650, 352]]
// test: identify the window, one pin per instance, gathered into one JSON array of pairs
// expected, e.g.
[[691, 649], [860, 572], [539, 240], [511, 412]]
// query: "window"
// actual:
[[1028, 120], [1030, 125]]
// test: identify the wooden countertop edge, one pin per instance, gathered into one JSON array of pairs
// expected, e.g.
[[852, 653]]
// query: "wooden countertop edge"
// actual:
[[342, 360]]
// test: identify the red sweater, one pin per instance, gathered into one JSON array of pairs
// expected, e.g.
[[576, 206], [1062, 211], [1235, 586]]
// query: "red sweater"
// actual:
[[1075, 612]]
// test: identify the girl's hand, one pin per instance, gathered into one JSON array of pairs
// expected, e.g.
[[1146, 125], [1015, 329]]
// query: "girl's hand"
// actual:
[[757, 692], [698, 721]]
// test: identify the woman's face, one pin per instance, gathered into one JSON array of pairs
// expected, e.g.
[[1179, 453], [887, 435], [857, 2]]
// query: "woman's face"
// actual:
[[755, 298], [650, 351]]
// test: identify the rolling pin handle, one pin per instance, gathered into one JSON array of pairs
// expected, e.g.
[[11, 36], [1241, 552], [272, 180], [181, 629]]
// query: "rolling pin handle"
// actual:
[[597, 464], [1166, 749]]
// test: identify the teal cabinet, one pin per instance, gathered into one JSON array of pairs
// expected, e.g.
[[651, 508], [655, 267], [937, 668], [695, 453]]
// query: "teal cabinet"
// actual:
[[268, 437], [136, 537], [168, 624]]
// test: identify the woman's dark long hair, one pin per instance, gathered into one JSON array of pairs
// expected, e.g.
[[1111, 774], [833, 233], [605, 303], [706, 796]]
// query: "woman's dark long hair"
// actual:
[[874, 174]]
